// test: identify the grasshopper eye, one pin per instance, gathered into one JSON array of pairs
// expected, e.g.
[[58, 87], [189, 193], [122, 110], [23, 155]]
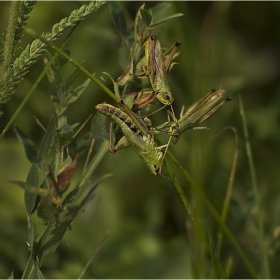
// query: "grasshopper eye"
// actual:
[[167, 96], [153, 37]]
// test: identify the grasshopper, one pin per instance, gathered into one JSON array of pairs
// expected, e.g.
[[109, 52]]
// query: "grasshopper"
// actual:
[[142, 140], [154, 65], [142, 143], [195, 114], [143, 25]]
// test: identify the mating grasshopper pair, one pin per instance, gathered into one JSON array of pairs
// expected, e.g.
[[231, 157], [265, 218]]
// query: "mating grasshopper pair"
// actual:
[[142, 141], [136, 133], [153, 65]]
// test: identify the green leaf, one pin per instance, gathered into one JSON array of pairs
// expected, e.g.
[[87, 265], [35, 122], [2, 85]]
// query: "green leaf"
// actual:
[[118, 17], [52, 241], [65, 129], [116, 86], [160, 10], [86, 190], [137, 25], [34, 178], [76, 93], [47, 140], [80, 128], [100, 126], [30, 150], [147, 16], [94, 163], [124, 54], [46, 210], [166, 19]]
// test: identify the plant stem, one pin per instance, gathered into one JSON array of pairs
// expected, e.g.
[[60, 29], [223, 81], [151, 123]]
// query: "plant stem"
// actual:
[[95, 161], [216, 216], [228, 191], [264, 262], [79, 66], [9, 41]]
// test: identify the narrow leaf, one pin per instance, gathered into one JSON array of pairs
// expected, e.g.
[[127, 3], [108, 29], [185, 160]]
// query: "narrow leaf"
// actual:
[[76, 93], [34, 178], [46, 210], [147, 16], [65, 129], [100, 127], [47, 140], [86, 190], [118, 17], [52, 241], [30, 150], [80, 128], [166, 19], [125, 55]]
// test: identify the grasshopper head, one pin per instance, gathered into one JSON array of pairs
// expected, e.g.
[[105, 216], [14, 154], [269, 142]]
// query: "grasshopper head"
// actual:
[[165, 97], [153, 169]]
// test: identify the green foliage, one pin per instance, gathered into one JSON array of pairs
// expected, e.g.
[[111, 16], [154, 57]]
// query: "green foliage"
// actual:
[[43, 192], [225, 221], [14, 68]]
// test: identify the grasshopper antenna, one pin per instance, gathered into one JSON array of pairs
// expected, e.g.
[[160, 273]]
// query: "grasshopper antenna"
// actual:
[[173, 181]]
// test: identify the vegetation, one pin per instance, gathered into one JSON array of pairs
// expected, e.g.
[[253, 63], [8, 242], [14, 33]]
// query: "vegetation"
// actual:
[[81, 212]]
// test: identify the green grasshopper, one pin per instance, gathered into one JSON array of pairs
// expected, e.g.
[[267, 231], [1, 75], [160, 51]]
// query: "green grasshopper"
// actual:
[[197, 113], [143, 25], [145, 68], [154, 66], [156, 70], [142, 143], [142, 139]]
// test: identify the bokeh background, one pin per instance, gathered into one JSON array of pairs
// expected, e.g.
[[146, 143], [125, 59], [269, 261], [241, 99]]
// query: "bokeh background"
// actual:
[[230, 45]]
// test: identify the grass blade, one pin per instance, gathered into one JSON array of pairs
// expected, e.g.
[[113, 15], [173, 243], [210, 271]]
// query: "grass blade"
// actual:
[[265, 270]]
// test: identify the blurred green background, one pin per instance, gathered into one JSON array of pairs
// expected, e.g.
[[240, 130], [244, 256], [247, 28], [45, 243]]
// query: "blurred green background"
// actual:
[[229, 45]]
